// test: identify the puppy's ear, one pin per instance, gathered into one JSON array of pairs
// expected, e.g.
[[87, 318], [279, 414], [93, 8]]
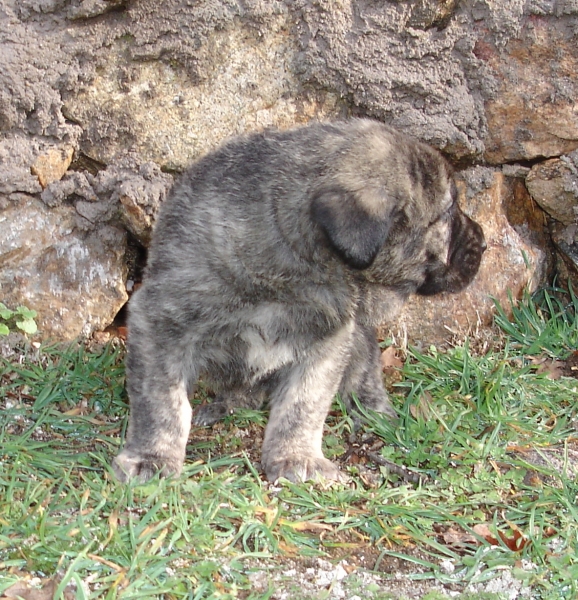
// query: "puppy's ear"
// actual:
[[354, 233]]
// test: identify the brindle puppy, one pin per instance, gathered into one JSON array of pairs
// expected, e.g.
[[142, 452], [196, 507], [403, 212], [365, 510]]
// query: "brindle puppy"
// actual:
[[272, 262]]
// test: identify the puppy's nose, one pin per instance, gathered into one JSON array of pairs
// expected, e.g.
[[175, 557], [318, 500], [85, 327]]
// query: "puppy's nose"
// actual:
[[483, 245]]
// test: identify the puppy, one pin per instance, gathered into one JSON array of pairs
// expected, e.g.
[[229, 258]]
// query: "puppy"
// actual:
[[272, 262]]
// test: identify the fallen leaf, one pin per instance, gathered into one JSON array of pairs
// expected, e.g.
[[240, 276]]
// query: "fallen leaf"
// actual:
[[515, 542], [112, 527], [80, 409], [106, 562], [112, 331], [422, 408], [270, 514], [288, 548], [36, 590], [457, 537], [390, 360], [483, 531], [310, 526], [550, 531], [553, 369]]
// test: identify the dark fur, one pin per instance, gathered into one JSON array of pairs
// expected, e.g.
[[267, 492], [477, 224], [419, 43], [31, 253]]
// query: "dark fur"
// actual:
[[272, 263]]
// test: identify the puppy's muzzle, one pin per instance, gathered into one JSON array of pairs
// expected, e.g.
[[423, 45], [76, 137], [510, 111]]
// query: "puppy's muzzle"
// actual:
[[467, 245]]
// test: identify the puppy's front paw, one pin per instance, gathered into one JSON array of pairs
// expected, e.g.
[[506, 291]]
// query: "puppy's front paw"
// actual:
[[128, 465], [299, 468]]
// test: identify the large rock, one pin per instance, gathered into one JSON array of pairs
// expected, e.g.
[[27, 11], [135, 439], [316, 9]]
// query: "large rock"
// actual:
[[127, 192], [98, 96], [75, 280], [533, 109], [554, 186], [177, 96], [565, 238], [404, 62], [474, 78], [515, 260]]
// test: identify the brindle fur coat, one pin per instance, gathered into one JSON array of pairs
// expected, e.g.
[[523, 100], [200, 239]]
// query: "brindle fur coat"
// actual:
[[272, 262]]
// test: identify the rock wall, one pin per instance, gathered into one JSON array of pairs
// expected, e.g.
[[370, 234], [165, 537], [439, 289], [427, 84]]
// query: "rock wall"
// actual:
[[102, 102]]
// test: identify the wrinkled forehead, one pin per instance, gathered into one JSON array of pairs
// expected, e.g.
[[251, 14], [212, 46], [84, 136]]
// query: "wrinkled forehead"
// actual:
[[382, 168], [433, 189], [430, 171]]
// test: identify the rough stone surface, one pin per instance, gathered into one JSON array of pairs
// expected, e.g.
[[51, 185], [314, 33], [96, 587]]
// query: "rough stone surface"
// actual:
[[515, 259], [397, 62], [97, 95], [533, 110], [172, 117], [554, 186], [565, 239], [52, 165], [127, 192], [17, 156], [73, 279]]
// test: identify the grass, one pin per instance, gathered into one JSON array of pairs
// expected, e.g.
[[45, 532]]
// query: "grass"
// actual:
[[491, 442]]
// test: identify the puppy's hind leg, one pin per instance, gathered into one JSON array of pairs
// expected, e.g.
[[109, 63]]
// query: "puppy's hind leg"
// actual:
[[363, 375], [160, 412]]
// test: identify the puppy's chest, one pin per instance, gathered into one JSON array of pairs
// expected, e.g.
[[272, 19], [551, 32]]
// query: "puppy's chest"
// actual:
[[276, 334], [379, 304]]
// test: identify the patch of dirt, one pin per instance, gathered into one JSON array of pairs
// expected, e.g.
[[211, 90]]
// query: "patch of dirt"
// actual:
[[569, 367], [333, 579], [316, 578], [35, 588]]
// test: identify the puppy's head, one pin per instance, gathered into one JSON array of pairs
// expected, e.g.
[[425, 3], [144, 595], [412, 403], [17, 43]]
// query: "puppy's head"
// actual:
[[390, 212]]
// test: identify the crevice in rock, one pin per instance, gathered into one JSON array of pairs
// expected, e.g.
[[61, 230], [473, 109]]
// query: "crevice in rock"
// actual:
[[136, 259], [169, 170], [92, 10], [528, 163], [119, 321], [82, 162]]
